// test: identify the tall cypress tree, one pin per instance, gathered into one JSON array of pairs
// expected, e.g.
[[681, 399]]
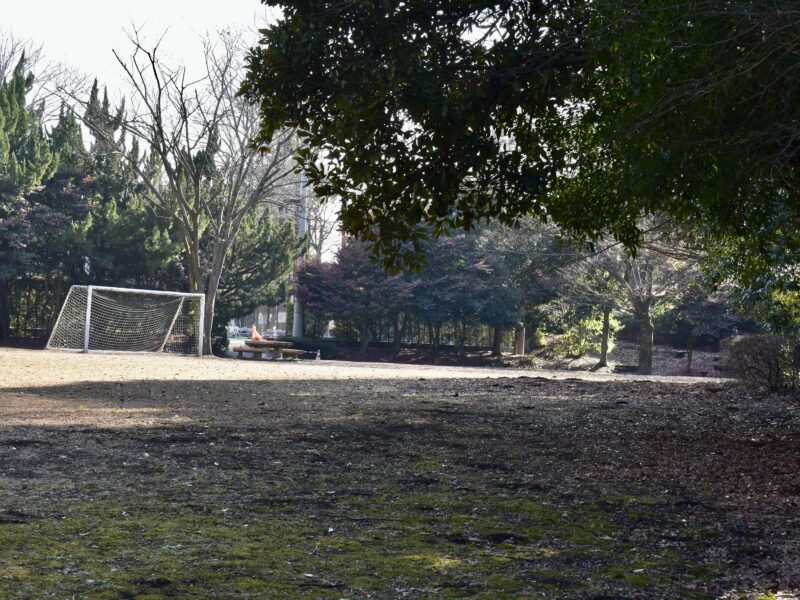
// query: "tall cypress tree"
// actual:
[[26, 161], [25, 155], [63, 207], [130, 244]]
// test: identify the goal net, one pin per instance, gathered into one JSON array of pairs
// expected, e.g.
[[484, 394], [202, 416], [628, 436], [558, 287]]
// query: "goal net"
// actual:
[[129, 320]]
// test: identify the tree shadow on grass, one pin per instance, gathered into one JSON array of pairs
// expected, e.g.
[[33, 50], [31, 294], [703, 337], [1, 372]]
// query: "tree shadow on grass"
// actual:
[[460, 488]]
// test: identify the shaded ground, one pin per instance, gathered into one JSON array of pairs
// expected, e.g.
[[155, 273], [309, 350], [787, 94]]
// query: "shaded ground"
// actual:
[[140, 476], [624, 357]]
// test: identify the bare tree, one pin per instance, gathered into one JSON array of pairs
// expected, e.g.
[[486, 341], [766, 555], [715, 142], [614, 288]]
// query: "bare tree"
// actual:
[[611, 278], [198, 133], [589, 282], [323, 224], [12, 48], [50, 77], [655, 274]]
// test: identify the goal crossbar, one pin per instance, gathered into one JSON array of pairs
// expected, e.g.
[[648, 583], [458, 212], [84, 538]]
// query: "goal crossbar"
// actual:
[[105, 288], [115, 319]]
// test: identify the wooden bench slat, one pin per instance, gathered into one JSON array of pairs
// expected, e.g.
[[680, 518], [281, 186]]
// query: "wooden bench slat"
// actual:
[[241, 350], [275, 352]]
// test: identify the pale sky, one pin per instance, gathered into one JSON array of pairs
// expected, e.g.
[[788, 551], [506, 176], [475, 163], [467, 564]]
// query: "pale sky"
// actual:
[[83, 33]]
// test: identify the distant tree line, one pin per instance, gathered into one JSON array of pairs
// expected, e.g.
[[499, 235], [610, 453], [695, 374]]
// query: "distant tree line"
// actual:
[[479, 288]]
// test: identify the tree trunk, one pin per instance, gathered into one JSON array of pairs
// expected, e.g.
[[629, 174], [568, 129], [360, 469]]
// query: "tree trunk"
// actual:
[[57, 300], [5, 309], [461, 338], [497, 340], [604, 338], [645, 339], [399, 333], [519, 340], [211, 290], [689, 350], [363, 339], [396, 339], [437, 331], [192, 245]]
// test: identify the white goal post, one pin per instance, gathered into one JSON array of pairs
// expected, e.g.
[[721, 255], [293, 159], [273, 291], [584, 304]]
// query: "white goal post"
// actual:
[[113, 319]]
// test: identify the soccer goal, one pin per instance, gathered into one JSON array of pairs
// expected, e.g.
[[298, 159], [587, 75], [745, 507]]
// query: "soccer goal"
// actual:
[[96, 318]]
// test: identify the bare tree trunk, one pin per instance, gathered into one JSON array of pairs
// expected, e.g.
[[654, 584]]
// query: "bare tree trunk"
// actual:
[[497, 340], [396, 335], [642, 312], [363, 339], [208, 323], [689, 351], [5, 309], [461, 338], [211, 302], [219, 254], [604, 338], [58, 290], [196, 284], [399, 332], [519, 340]]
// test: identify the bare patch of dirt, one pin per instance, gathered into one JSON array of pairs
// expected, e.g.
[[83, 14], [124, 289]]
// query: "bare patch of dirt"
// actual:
[[624, 357], [122, 476]]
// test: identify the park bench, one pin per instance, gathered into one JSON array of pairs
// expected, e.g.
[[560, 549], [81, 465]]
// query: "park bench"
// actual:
[[254, 351]]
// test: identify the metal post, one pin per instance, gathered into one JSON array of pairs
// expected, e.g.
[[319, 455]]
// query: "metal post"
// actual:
[[202, 325], [87, 322]]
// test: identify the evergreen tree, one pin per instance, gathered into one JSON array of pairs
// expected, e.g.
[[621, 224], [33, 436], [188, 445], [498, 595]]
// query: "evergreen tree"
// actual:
[[26, 161], [256, 273], [64, 204], [130, 243]]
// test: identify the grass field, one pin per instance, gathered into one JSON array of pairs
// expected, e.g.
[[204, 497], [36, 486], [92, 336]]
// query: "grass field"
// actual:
[[157, 477]]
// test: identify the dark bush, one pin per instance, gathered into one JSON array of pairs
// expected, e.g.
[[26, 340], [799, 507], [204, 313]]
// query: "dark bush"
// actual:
[[328, 350], [762, 360]]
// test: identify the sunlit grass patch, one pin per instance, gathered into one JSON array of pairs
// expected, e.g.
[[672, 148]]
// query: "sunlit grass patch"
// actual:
[[436, 541]]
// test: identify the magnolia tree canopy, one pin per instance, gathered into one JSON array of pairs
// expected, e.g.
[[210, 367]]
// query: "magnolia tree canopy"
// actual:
[[427, 115]]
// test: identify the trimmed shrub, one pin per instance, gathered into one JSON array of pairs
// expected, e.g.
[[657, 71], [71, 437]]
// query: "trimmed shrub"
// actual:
[[762, 360]]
